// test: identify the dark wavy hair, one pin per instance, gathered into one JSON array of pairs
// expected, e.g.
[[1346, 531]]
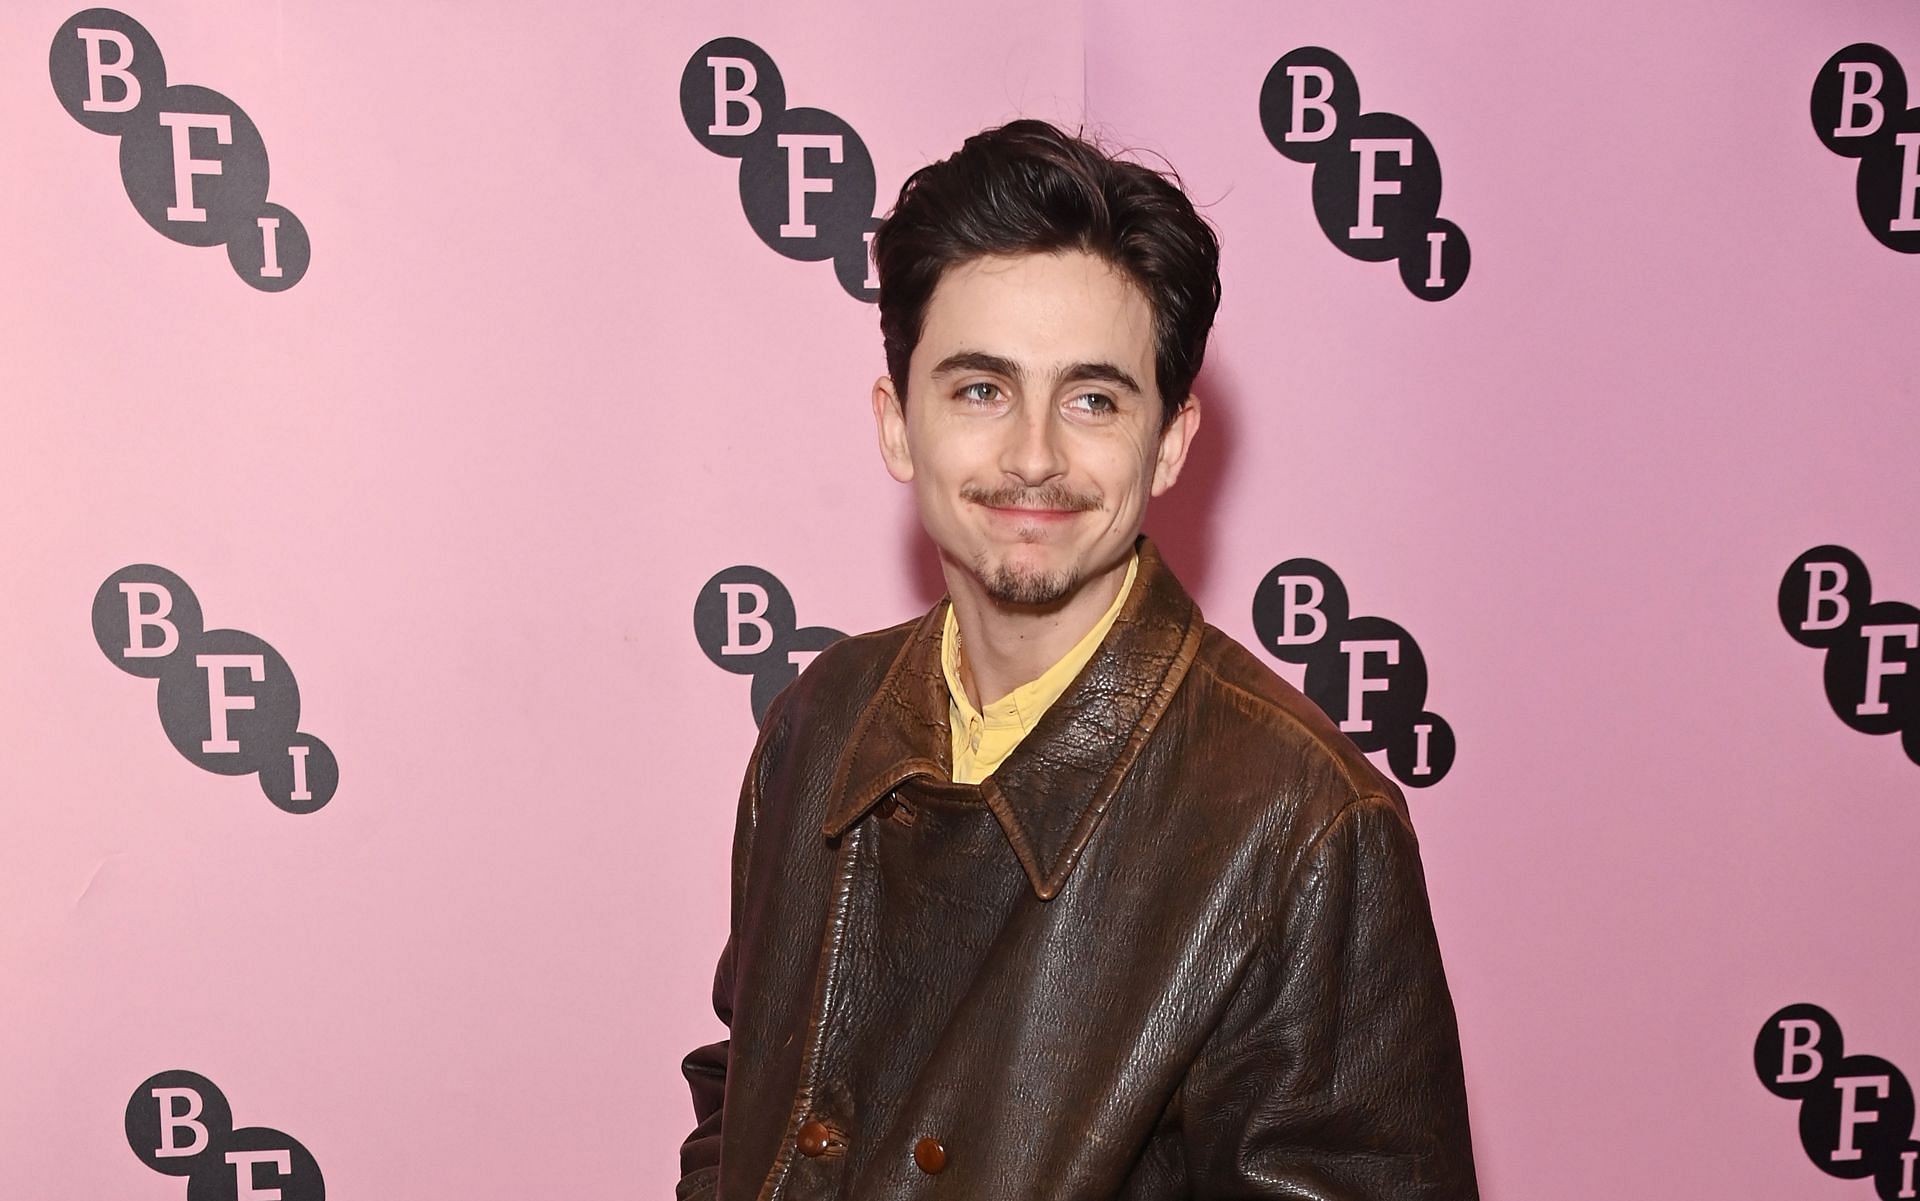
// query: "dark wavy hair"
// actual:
[[1027, 187]]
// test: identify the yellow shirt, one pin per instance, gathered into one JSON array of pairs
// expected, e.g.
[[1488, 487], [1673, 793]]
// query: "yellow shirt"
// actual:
[[982, 740]]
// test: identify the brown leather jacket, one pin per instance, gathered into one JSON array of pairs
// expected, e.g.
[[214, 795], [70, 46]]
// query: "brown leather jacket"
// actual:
[[1178, 945]]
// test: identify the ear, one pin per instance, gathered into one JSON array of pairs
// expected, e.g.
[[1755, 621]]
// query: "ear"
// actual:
[[890, 421], [1175, 441]]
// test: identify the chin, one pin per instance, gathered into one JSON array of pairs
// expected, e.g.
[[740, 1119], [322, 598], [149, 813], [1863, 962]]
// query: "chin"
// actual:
[[1029, 590], [1013, 580]]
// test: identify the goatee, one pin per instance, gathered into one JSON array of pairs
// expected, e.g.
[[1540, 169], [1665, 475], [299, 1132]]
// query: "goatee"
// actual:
[[1031, 589]]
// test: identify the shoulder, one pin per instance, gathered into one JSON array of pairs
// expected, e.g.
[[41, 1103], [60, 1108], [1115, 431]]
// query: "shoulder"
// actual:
[[1278, 772], [839, 681], [1272, 733], [858, 662]]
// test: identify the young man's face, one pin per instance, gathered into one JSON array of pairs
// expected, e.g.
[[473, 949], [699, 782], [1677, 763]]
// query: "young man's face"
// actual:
[[1031, 431]]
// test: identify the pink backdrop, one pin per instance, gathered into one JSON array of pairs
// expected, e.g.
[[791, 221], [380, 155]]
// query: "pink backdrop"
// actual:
[[541, 381]]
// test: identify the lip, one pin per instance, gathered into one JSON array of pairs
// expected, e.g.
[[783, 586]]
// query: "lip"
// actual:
[[1018, 514]]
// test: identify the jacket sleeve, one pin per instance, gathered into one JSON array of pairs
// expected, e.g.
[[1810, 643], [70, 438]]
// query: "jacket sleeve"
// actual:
[[1335, 1071], [706, 1067], [706, 1071]]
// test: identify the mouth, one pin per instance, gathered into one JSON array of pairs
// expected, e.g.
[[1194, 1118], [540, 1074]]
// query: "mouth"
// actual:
[[1020, 513]]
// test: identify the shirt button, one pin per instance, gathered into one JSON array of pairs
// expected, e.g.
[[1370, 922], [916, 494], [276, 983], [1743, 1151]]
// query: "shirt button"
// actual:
[[929, 1156], [812, 1140]]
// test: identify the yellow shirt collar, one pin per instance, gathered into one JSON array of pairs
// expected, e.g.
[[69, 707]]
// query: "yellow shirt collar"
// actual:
[[982, 739]]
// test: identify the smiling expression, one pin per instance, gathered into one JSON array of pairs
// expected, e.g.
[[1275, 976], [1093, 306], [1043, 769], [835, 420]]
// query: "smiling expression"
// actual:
[[1032, 426]]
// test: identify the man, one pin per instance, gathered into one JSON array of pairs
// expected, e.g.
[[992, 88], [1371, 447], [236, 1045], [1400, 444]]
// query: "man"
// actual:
[[1055, 892]]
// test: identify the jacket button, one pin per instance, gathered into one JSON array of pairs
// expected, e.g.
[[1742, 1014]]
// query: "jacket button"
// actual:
[[929, 1156], [886, 806], [813, 1139]]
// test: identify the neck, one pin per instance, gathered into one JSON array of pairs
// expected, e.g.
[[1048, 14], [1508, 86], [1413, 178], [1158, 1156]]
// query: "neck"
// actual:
[[1004, 646]]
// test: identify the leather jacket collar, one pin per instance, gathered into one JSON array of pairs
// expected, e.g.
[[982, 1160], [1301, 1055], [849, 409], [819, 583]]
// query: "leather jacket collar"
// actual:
[[1052, 791]]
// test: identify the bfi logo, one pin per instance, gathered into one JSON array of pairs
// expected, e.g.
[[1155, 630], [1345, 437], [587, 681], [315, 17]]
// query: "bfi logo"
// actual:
[[744, 621], [1376, 179], [1366, 672], [806, 179], [1856, 1111], [179, 1124], [1860, 111], [192, 162], [1872, 673], [228, 701]]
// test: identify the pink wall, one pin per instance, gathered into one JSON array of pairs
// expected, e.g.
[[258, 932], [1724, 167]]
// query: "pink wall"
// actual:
[[541, 381]]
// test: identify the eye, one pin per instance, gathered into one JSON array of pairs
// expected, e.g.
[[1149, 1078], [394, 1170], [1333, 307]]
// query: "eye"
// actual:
[[1096, 404], [980, 393]]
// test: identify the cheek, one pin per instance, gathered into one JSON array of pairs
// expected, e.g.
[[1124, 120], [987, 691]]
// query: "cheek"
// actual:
[[937, 480], [1127, 468], [954, 452], [934, 462]]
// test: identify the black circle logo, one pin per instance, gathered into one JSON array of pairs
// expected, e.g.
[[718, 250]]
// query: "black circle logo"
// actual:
[[806, 179], [1366, 673], [106, 70], [177, 1122]]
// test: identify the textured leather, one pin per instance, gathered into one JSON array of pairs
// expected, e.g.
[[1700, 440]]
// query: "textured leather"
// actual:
[[1178, 945]]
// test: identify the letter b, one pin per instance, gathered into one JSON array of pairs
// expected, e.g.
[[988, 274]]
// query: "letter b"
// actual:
[[139, 620], [746, 608], [1800, 1059], [1306, 102], [740, 617], [177, 1121], [1321, 81], [1822, 596], [726, 98], [731, 96], [1827, 606], [142, 616], [1858, 95], [175, 1118], [1303, 596], [1795, 1051], [105, 70], [1297, 608], [99, 69]]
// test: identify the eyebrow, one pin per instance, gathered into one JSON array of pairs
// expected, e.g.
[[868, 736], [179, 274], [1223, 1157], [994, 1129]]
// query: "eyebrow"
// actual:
[[993, 364]]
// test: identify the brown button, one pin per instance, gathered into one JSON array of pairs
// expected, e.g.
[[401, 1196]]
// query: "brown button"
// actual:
[[929, 1156], [813, 1139], [886, 807]]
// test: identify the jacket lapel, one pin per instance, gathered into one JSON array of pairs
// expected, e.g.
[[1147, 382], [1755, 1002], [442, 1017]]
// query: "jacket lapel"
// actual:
[[1052, 791]]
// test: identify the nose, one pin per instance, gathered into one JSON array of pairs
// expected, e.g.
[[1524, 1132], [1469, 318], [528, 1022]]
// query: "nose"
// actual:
[[1032, 452]]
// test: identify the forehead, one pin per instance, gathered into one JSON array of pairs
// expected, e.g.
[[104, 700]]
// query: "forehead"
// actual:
[[1039, 310]]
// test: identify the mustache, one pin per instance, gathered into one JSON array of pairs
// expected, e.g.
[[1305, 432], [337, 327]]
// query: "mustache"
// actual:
[[1047, 496]]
